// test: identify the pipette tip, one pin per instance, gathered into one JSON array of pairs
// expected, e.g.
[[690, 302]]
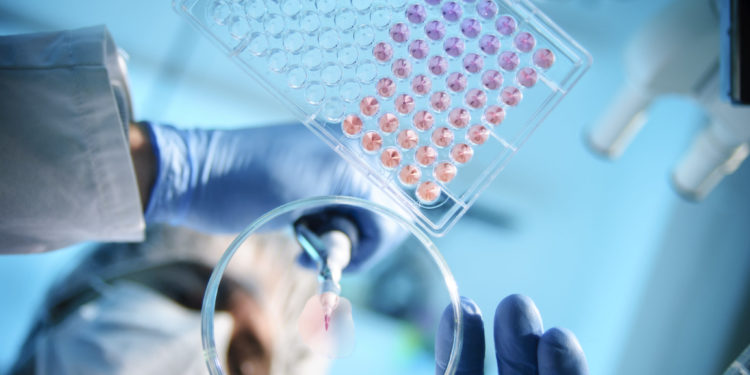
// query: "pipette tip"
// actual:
[[327, 319]]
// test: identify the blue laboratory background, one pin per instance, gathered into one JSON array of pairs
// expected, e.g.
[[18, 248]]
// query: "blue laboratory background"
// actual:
[[650, 283]]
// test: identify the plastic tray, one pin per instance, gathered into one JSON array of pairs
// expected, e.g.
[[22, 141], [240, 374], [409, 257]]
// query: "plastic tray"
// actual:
[[429, 98]]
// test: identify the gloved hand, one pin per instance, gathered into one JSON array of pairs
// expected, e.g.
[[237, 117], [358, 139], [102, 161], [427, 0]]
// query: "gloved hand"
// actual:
[[219, 181], [521, 344]]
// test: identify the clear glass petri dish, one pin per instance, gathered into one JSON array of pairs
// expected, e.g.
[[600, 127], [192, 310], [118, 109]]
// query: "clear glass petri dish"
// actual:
[[397, 299]]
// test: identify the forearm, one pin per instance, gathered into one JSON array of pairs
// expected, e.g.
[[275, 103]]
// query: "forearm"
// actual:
[[144, 161]]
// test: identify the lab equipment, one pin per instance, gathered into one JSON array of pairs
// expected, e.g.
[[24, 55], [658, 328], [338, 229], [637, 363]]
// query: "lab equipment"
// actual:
[[420, 246], [741, 365], [735, 50], [521, 344], [332, 253], [683, 58], [429, 99]]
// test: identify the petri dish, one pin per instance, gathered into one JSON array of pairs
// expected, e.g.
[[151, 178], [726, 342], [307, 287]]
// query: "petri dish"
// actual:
[[397, 298]]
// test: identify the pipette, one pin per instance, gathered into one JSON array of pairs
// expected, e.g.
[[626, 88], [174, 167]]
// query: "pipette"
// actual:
[[332, 252]]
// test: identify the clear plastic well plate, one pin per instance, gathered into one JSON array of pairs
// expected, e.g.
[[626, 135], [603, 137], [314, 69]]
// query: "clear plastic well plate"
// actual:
[[429, 98]]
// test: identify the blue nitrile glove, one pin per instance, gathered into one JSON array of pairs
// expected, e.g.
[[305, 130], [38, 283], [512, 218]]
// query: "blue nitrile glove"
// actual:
[[219, 181], [521, 345]]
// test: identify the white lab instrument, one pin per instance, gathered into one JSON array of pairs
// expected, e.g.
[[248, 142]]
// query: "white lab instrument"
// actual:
[[677, 52], [332, 253]]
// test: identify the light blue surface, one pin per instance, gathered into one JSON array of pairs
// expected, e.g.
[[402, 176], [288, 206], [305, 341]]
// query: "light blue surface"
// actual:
[[606, 249]]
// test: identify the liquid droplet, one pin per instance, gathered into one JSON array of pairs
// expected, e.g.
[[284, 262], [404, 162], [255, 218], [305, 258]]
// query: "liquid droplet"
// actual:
[[330, 336]]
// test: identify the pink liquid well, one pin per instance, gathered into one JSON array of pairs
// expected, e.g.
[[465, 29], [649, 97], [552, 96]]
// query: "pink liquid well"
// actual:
[[544, 58], [456, 82], [388, 123], [434, 30], [445, 172], [478, 134], [409, 175], [473, 63], [416, 13], [425, 155], [462, 153], [476, 98], [487, 8], [505, 25], [471, 27], [508, 60], [369, 106], [437, 65], [419, 49], [489, 44], [454, 46], [401, 68], [428, 191], [372, 141], [442, 137], [452, 11], [407, 139], [399, 32], [459, 117], [351, 125], [382, 51], [511, 96], [386, 87], [421, 84], [527, 77], [423, 120], [524, 41], [494, 115], [390, 157], [404, 104], [440, 101], [492, 79]]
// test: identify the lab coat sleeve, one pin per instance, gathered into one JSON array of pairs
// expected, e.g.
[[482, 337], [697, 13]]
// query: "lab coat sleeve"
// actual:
[[66, 175]]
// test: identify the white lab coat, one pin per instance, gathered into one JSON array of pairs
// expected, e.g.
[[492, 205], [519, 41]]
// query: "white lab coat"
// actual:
[[130, 329], [66, 174]]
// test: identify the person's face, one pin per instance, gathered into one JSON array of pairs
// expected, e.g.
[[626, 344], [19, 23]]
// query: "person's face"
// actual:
[[251, 342]]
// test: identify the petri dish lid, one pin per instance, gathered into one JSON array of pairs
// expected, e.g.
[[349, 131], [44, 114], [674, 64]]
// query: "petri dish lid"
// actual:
[[397, 300]]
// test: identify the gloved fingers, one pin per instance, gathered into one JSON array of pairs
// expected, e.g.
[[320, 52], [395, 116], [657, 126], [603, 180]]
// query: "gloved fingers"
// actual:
[[471, 359], [518, 327], [560, 353]]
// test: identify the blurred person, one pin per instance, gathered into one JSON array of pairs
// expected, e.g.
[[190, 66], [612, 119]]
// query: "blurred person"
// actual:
[[134, 308]]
